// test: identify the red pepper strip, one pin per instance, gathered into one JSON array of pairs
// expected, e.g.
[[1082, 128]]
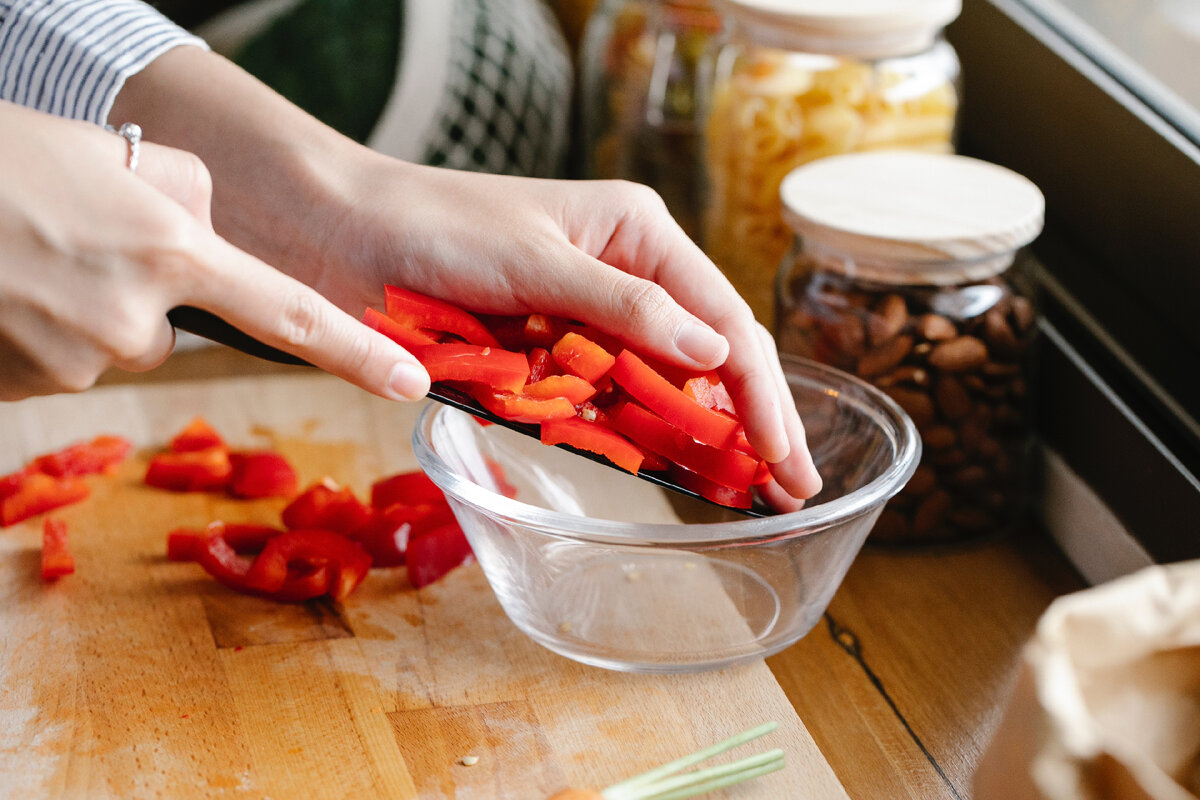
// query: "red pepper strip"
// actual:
[[647, 429], [190, 471], [220, 561], [721, 495], [653, 462], [657, 394], [345, 558], [589, 411], [11, 483], [326, 506], [572, 387], [762, 474], [594, 438], [102, 454], [500, 369], [56, 551], [433, 554], [581, 356], [401, 335], [38, 493], [709, 394], [415, 310], [184, 544], [412, 488], [198, 435], [542, 330], [519, 408], [386, 537], [262, 474], [541, 364]]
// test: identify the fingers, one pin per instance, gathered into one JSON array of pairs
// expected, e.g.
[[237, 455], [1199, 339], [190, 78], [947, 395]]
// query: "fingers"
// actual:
[[154, 351], [635, 310], [179, 175], [796, 474], [284, 313]]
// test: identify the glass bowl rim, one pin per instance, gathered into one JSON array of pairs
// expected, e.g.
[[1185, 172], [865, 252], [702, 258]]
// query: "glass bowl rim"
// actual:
[[805, 522]]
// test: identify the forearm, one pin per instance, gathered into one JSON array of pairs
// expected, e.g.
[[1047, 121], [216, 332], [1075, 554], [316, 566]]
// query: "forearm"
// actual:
[[275, 169]]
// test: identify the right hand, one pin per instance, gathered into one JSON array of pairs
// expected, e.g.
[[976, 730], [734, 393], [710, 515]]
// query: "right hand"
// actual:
[[93, 256]]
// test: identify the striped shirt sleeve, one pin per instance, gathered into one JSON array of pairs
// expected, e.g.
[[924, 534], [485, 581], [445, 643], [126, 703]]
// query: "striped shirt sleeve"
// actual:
[[71, 57]]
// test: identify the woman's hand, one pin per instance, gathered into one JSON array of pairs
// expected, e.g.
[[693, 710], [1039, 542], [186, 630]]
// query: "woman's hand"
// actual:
[[92, 257], [604, 252]]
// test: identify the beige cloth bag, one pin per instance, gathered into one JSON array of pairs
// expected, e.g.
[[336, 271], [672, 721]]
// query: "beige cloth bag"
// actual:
[[1107, 704]]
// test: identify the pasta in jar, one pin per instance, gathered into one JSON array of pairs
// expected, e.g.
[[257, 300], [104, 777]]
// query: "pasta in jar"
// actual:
[[639, 76], [772, 109]]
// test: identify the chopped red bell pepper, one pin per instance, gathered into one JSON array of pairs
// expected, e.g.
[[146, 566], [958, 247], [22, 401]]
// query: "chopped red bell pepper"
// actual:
[[261, 474], [303, 582], [519, 408], [410, 488], [56, 551], [11, 483], [326, 506], [708, 393], [198, 435], [102, 454], [581, 356], [594, 438], [647, 429], [184, 544], [714, 492], [491, 366], [434, 553], [542, 330], [406, 337], [38, 493], [387, 536], [572, 387], [502, 484], [656, 393], [345, 559], [541, 364], [190, 470], [415, 310]]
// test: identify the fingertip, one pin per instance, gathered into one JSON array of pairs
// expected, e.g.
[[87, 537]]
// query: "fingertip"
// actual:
[[701, 344], [407, 380]]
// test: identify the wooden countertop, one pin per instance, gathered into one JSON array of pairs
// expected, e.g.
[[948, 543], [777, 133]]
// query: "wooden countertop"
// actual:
[[903, 684]]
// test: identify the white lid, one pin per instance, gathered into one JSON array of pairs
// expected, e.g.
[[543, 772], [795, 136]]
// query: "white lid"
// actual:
[[864, 28], [912, 217]]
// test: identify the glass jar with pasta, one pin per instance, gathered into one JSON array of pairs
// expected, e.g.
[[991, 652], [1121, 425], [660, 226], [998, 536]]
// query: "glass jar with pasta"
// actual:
[[805, 79], [639, 80]]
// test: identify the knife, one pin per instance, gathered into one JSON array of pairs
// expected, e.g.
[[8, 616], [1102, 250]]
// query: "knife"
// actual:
[[210, 326]]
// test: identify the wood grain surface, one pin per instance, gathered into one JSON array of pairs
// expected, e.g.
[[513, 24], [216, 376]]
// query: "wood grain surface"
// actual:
[[137, 677]]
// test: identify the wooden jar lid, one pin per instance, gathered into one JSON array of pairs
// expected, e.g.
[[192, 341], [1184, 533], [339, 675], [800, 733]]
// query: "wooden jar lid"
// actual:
[[863, 28], [913, 217]]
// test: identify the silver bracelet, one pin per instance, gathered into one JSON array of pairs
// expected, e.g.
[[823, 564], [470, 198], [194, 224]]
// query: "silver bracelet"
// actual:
[[132, 133]]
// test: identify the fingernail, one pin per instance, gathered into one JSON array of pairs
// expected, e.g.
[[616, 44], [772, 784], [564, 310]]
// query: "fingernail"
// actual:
[[701, 343], [408, 381]]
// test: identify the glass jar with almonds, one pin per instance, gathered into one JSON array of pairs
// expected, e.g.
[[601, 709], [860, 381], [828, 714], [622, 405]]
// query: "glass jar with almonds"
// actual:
[[905, 271], [799, 80]]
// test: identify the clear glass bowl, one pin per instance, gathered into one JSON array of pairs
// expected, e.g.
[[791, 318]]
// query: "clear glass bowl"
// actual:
[[595, 565]]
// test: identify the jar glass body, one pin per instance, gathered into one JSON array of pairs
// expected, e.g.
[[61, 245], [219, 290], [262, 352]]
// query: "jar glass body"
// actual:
[[640, 66], [955, 355], [772, 110]]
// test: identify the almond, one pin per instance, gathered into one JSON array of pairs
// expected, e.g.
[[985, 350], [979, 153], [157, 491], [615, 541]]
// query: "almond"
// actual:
[[931, 512], [889, 318], [959, 354], [952, 398], [885, 357], [936, 328], [916, 404]]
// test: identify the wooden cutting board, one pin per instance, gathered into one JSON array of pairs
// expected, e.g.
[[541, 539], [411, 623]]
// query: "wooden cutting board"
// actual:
[[137, 677]]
